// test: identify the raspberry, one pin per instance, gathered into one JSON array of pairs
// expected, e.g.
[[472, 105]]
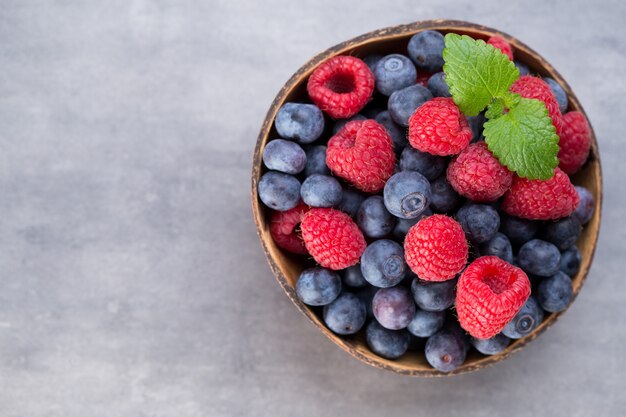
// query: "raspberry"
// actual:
[[541, 200], [489, 294], [435, 248], [283, 229], [574, 143], [439, 128], [341, 86], [533, 87], [362, 153], [502, 45], [478, 175], [332, 238]]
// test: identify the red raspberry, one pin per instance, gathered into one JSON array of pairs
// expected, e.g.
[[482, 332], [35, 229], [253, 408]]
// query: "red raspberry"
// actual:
[[436, 248], [502, 45], [541, 200], [490, 292], [439, 128], [341, 86], [478, 175], [362, 153], [422, 78], [575, 142], [532, 87], [283, 229], [332, 238]]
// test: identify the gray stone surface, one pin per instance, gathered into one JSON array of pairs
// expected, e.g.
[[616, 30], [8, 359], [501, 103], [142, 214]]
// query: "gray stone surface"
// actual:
[[131, 279]]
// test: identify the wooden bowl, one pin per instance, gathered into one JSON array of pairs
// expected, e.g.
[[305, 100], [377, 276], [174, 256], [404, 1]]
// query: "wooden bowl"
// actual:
[[287, 267]]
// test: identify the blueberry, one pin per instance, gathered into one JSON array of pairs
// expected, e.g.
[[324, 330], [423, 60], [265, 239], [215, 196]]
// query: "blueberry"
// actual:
[[519, 231], [476, 123], [339, 124], [403, 225], [407, 194], [318, 286], [382, 263], [491, 346], [586, 206], [430, 166], [539, 257], [523, 68], [372, 60], [432, 295], [279, 191], [394, 72], [397, 133], [373, 218], [555, 293], [426, 323], [345, 315], [525, 321], [499, 246], [393, 307], [559, 93], [284, 156], [563, 233], [316, 161], [390, 344], [302, 122], [353, 277], [321, 191], [416, 344], [452, 326], [351, 201], [403, 103], [426, 50], [570, 261], [443, 198], [366, 295], [444, 351], [437, 85], [479, 221]]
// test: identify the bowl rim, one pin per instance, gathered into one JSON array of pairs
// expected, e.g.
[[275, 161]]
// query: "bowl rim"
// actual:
[[388, 34]]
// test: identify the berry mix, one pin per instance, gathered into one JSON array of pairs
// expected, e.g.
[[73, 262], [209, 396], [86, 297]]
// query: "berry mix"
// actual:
[[436, 223]]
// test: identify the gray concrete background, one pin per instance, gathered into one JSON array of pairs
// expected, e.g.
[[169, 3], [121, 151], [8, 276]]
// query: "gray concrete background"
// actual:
[[131, 279]]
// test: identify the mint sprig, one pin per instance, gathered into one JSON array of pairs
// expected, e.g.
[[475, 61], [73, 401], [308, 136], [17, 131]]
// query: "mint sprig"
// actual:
[[519, 131]]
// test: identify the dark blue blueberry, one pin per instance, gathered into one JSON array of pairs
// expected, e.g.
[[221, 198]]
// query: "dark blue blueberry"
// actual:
[[523, 68], [397, 133], [570, 261], [499, 246], [452, 325], [373, 218], [555, 293], [563, 233], [403, 225], [407, 194], [559, 93], [372, 60], [403, 103], [316, 161], [519, 231], [351, 201], [353, 277], [476, 124], [437, 85], [432, 295], [382, 263], [303, 123], [426, 50], [345, 315], [284, 156], [339, 124], [479, 221], [394, 72], [390, 344], [430, 166], [366, 295], [586, 206], [491, 346], [279, 191], [444, 351], [318, 286], [443, 198], [416, 344], [393, 307], [426, 323], [321, 191], [525, 321], [539, 257]]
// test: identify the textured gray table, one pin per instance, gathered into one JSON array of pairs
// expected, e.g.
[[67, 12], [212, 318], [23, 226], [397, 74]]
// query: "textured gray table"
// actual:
[[131, 279]]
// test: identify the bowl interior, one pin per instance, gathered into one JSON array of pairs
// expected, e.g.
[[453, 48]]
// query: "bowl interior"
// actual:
[[287, 267]]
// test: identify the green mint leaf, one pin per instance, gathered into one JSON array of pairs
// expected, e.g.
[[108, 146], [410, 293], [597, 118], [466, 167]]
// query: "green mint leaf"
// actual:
[[476, 72], [524, 139]]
